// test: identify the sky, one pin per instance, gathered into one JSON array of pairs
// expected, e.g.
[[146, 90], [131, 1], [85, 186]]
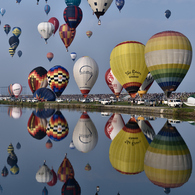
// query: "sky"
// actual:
[[138, 20]]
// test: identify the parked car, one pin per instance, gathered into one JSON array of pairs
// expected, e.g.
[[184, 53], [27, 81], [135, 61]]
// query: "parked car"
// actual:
[[34, 100], [140, 101], [175, 103], [59, 100], [106, 102], [151, 102]]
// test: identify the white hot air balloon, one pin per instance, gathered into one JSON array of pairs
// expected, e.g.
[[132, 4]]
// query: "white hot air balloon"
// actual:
[[85, 135], [17, 89], [46, 29], [73, 55], [85, 73]]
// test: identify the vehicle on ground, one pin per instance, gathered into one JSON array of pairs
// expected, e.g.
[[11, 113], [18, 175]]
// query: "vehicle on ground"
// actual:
[[86, 100], [151, 102], [59, 100], [140, 102], [175, 103], [34, 100], [106, 102]]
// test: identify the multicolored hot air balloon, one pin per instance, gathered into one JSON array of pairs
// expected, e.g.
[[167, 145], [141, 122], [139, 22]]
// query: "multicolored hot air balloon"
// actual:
[[55, 22], [14, 170], [44, 112], [44, 174], [168, 162], [44, 94], [128, 148], [65, 170], [66, 35], [57, 128], [73, 2], [127, 63], [10, 148], [58, 78], [14, 42], [87, 167], [99, 7], [119, 4], [85, 135], [11, 51], [16, 31], [37, 78], [167, 13], [10, 91], [50, 56], [73, 56], [19, 53], [71, 186], [54, 179], [7, 28], [37, 127], [168, 56], [44, 191], [73, 16], [85, 73], [46, 29], [89, 33], [18, 1], [113, 83], [47, 9], [4, 171], [146, 85], [17, 89]]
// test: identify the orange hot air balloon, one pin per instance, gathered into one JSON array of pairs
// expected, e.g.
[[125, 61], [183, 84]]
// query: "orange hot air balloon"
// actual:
[[49, 144], [66, 35], [89, 33], [50, 56]]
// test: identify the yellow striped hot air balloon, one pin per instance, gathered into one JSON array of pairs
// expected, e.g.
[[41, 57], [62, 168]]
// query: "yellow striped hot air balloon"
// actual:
[[168, 161], [128, 148], [168, 56], [127, 63]]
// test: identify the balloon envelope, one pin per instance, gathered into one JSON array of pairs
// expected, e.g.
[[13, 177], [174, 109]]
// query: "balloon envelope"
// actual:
[[85, 73], [89, 33], [16, 31], [50, 56], [119, 4], [73, 55], [7, 28], [73, 2], [19, 53], [44, 94], [55, 22], [47, 9], [17, 89], [167, 13]]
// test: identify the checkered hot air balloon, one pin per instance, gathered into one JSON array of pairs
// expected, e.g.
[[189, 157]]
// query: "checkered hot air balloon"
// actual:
[[58, 78]]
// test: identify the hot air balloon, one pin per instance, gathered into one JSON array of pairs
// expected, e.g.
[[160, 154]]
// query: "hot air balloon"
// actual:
[[44, 94], [37, 78], [99, 7], [127, 63], [168, 56], [113, 83], [47, 9], [50, 56], [72, 146], [10, 148], [66, 35], [37, 127], [168, 162], [119, 4], [46, 29], [65, 170], [19, 53], [114, 124], [85, 73], [7, 28], [44, 174], [17, 89], [12, 159], [57, 128], [14, 170], [73, 2], [16, 31], [44, 191], [2, 11], [128, 148], [58, 78], [85, 135], [72, 16], [14, 42], [18, 145], [55, 22], [49, 144], [16, 112], [4, 171], [18, 1], [73, 56], [146, 85], [10, 91], [71, 186], [89, 33], [44, 112], [167, 13], [88, 167], [54, 179]]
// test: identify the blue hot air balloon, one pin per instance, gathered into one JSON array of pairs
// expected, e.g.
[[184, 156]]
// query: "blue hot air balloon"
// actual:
[[16, 31], [44, 191], [14, 42], [119, 4], [19, 53], [72, 2], [44, 113], [2, 11], [47, 9], [7, 28], [167, 13], [44, 94]]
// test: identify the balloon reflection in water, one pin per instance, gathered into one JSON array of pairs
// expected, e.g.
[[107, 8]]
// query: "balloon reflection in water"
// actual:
[[44, 174], [65, 170], [168, 161], [127, 150], [114, 124], [85, 135], [37, 127], [44, 112], [57, 128], [16, 112]]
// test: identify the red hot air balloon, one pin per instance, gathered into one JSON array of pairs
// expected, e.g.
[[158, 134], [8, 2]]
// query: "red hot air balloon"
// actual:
[[73, 16], [66, 35], [54, 179], [50, 56], [55, 22], [49, 144]]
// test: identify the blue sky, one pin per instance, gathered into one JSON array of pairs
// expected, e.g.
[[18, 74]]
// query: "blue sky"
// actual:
[[138, 20]]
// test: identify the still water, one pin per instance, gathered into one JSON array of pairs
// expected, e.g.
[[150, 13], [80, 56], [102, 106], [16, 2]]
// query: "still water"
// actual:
[[116, 157]]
